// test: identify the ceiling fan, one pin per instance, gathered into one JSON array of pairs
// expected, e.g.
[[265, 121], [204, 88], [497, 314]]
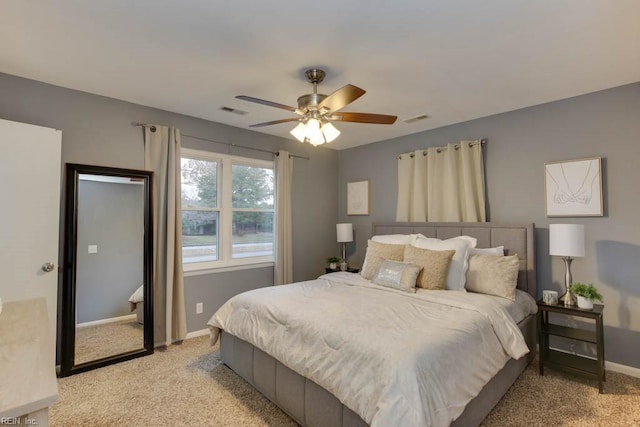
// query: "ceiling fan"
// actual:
[[317, 111]]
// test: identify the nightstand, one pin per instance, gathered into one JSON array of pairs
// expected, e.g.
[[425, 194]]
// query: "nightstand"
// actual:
[[349, 270], [572, 363]]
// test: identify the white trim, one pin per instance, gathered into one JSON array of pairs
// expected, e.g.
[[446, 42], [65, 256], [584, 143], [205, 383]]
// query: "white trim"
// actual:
[[623, 369], [196, 334], [105, 321], [225, 260], [225, 268], [611, 366], [109, 179], [194, 153]]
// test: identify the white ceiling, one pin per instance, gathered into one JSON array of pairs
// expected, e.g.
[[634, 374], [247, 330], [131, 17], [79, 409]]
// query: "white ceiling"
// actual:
[[453, 60]]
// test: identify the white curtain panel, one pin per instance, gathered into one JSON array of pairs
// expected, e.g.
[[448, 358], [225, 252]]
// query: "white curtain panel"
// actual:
[[283, 271], [162, 156], [442, 184]]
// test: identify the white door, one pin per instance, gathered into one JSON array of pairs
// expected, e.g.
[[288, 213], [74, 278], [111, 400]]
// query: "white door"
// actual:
[[29, 214]]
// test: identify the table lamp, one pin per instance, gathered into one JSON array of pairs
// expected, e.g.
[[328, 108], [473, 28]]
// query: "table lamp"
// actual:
[[567, 241], [345, 235]]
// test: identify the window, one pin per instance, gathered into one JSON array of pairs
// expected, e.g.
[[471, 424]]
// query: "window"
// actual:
[[227, 210]]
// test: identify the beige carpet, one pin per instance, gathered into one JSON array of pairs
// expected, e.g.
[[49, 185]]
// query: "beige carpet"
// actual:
[[95, 342], [187, 385]]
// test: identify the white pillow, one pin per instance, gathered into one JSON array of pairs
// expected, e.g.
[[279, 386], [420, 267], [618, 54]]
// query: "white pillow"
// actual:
[[497, 251], [472, 240], [138, 295], [396, 239], [456, 276]]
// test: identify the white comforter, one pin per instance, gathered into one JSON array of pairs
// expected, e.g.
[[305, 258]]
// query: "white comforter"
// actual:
[[392, 357]]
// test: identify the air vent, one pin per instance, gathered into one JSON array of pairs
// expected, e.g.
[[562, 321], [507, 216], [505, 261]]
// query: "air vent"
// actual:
[[416, 119], [234, 110]]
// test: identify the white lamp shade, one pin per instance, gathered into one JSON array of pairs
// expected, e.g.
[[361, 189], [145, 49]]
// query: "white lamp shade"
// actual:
[[313, 133], [299, 131], [566, 240], [345, 232], [330, 132]]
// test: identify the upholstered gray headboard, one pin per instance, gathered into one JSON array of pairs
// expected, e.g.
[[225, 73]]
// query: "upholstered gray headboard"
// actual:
[[516, 239]]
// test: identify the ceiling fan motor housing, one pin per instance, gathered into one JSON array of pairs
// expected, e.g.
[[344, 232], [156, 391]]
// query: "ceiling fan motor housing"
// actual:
[[307, 102]]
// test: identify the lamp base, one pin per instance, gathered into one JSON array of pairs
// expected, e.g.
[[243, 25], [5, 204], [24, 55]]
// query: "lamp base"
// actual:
[[344, 255], [568, 299]]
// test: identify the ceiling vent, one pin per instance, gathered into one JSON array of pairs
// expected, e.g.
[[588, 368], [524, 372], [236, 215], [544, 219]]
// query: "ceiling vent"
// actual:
[[233, 111], [416, 119]]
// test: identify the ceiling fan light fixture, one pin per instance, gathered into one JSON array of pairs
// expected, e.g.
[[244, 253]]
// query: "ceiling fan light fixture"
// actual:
[[313, 126], [330, 132], [314, 134], [299, 132]]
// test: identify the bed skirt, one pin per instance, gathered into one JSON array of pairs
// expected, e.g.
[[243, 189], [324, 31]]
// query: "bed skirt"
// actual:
[[311, 405]]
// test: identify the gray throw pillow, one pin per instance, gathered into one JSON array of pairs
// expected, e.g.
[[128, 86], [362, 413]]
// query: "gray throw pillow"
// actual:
[[397, 275]]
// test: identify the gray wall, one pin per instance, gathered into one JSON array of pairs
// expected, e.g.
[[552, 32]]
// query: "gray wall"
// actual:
[[111, 216], [605, 124], [97, 130]]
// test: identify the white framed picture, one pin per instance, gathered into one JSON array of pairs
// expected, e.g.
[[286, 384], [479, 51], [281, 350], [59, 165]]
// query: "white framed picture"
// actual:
[[358, 198], [573, 187]]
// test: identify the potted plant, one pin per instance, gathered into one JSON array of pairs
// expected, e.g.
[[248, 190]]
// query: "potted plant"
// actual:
[[333, 262], [586, 293]]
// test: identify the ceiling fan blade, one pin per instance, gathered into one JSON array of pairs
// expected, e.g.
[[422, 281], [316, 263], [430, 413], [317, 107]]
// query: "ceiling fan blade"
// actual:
[[263, 102], [275, 122], [341, 98], [381, 119]]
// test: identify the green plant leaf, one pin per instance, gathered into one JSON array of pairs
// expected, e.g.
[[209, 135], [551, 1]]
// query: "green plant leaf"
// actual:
[[587, 291]]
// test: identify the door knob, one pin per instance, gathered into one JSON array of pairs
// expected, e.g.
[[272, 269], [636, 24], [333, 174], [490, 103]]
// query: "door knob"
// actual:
[[48, 267]]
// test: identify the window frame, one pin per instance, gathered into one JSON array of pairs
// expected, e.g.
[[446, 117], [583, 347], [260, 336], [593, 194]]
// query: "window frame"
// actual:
[[225, 211]]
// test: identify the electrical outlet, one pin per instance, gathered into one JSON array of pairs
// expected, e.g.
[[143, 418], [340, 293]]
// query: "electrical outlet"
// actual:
[[199, 308]]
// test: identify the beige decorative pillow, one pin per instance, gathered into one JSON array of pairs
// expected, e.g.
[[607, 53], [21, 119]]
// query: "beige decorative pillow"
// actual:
[[435, 266], [376, 254], [493, 275], [397, 275], [459, 262]]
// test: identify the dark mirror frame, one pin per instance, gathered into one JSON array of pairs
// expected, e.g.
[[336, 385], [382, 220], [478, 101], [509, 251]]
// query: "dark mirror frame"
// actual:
[[68, 301]]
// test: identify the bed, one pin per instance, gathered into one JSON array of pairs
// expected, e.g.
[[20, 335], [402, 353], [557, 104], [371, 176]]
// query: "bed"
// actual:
[[136, 302], [304, 382]]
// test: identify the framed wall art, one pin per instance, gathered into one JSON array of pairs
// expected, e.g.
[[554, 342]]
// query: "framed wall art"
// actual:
[[573, 187], [358, 198]]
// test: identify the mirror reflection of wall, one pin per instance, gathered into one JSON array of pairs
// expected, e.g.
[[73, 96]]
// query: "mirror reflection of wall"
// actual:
[[109, 270]]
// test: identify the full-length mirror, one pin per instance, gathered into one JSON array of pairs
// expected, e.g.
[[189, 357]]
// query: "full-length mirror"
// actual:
[[107, 310]]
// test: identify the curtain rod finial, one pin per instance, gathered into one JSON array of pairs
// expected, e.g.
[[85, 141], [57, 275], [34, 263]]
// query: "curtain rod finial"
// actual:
[[152, 128]]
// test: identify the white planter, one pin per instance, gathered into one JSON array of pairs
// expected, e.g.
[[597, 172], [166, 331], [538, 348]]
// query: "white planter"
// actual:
[[584, 303], [333, 265]]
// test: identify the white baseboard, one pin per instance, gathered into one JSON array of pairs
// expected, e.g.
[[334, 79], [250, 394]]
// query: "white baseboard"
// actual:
[[610, 366], [195, 334], [105, 321], [623, 369]]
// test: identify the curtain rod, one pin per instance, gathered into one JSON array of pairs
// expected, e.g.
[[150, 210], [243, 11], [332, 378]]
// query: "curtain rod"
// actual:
[[229, 144], [482, 143]]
